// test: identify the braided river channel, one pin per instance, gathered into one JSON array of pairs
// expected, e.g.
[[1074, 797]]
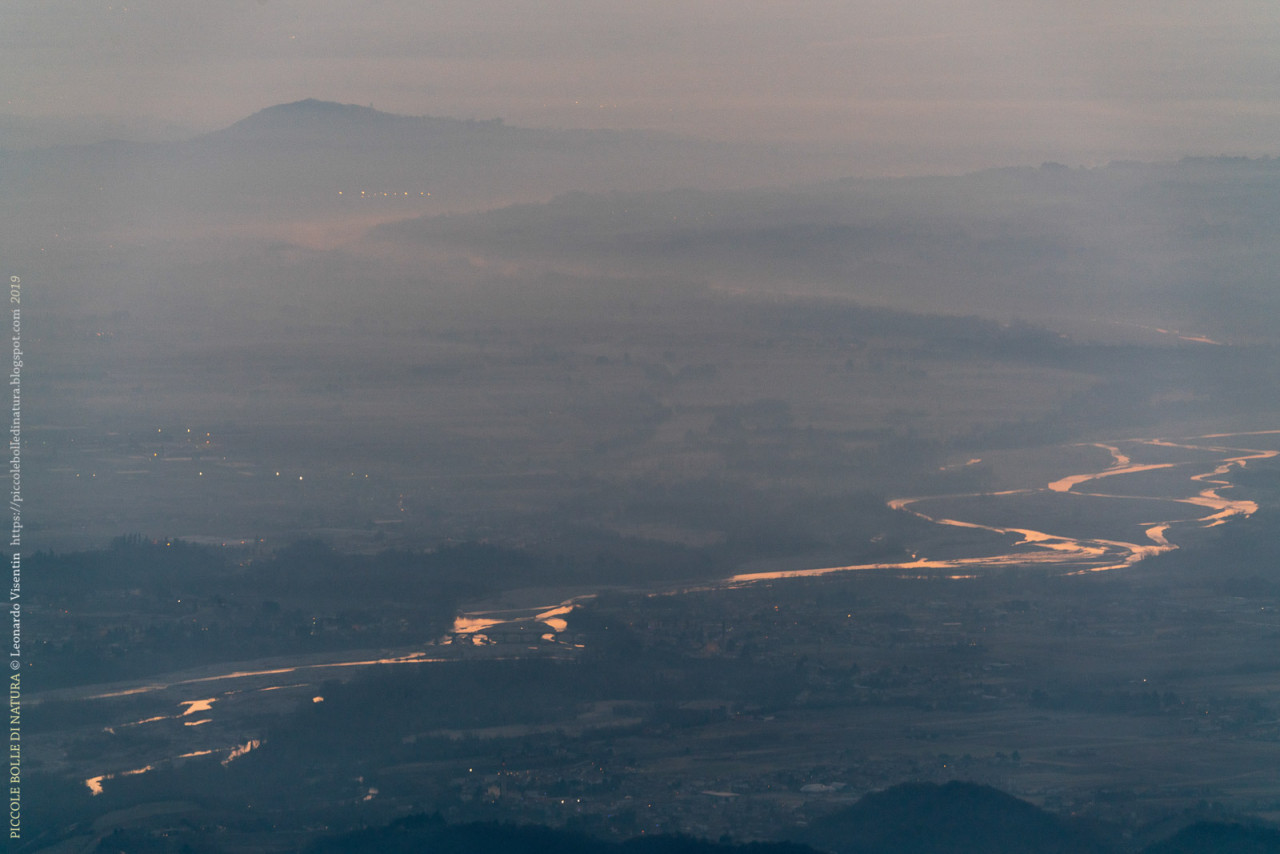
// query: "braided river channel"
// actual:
[[1136, 500]]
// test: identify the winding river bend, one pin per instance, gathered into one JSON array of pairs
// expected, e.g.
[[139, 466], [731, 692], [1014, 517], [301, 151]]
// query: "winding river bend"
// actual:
[[1133, 505], [1191, 482], [1177, 485]]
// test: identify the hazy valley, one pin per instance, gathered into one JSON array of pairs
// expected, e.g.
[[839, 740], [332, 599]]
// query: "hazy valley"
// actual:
[[290, 417]]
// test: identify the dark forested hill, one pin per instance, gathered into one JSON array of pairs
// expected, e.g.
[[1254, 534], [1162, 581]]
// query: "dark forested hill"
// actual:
[[955, 818]]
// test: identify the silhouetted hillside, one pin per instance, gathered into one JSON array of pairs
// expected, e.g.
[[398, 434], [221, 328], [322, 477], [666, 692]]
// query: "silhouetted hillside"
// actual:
[[955, 818], [1140, 242], [1211, 837], [316, 115], [320, 160], [430, 833]]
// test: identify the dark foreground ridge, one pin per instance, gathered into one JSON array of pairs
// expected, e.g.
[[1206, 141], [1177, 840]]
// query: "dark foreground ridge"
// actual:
[[955, 818], [913, 818], [1219, 838], [430, 833]]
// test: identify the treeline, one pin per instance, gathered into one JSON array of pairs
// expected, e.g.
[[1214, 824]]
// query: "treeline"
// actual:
[[430, 833], [913, 818]]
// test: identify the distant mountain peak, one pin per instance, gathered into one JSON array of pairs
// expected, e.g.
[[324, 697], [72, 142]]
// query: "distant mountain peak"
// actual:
[[313, 109], [314, 117], [314, 106]]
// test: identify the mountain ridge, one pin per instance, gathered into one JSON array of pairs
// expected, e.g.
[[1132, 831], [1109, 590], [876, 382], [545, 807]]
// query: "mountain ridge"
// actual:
[[314, 114]]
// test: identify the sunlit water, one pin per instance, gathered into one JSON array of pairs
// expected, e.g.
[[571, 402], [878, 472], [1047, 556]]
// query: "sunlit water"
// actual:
[[545, 626], [1077, 554]]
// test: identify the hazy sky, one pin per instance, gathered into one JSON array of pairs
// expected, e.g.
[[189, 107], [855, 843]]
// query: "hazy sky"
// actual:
[[916, 84]]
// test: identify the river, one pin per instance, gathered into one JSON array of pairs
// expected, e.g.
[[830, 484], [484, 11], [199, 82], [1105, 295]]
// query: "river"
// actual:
[[1190, 475]]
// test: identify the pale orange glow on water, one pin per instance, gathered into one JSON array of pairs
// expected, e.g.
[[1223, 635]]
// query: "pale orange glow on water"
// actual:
[[1067, 483], [1022, 547], [146, 689], [194, 706], [241, 750], [1234, 435], [233, 753], [1094, 555], [548, 617], [407, 658], [476, 625], [1118, 458], [95, 783], [471, 625]]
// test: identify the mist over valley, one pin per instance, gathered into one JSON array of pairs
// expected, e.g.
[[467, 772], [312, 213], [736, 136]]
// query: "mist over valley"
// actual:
[[460, 473]]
